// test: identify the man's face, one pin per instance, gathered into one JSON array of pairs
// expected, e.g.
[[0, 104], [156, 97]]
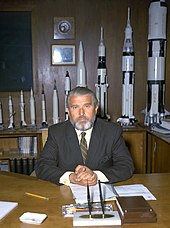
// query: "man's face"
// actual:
[[82, 112]]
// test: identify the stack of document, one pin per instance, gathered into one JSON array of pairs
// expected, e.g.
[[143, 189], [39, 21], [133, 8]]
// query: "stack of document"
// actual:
[[165, 124], [159, 129], [80, 193], [109, 192], [134, 190], [6, 207]]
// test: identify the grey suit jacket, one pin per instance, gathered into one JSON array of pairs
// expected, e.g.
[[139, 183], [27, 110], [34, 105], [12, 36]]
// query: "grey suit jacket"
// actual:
[[107, 152]]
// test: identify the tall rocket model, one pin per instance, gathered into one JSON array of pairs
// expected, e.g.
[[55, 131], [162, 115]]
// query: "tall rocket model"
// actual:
[[55, 104], [102, 85], [11, 113], [81, 70], [155, 110], [43, 106], [1, 118], [67, 90], [32, 110], [127, 117], [22, 109]]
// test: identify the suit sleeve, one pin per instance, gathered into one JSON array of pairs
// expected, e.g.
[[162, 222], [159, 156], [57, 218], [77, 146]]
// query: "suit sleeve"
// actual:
[[46, 167], [121, 166]]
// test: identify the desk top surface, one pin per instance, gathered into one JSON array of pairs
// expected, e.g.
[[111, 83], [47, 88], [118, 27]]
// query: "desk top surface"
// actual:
[[13, 187]]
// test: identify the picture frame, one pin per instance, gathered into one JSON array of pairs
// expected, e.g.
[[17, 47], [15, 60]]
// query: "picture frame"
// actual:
[[4, 165], [63, 54], [64, 28]]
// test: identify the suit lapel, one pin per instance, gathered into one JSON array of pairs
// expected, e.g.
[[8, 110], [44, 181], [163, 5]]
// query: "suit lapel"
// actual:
[[71, 138], [94, 144]]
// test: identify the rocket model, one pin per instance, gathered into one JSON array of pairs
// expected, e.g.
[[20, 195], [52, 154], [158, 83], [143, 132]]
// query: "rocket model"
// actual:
[[81, 71], [67, 90], [1, 121], [55, 105], [102, 85], [44, 121], [11, 113], [155, 110], [32, 110], [22, 109], [127, 117]]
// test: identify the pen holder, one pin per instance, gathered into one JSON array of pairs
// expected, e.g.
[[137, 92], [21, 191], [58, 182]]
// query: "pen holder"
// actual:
[[83, 219]]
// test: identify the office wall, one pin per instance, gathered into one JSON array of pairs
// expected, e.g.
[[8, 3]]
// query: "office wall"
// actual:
[[89, 15]]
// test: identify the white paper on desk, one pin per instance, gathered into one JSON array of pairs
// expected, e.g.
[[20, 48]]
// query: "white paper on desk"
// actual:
[[157, 128], [80, 192], [6, 207], [32, 218], [134, 190]]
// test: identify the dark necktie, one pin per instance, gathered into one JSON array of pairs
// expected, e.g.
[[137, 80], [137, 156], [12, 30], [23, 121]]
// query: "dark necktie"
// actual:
[[83, 146]]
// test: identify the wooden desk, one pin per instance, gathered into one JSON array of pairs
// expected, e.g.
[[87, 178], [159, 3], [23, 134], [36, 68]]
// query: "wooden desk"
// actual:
[[13, 187], [158, 153]]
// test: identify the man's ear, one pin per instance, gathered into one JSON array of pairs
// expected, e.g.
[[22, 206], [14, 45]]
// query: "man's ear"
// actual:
[[96, 109]]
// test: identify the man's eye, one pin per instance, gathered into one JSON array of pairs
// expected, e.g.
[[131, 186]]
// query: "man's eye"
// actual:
[[88, 106], [74, 107]]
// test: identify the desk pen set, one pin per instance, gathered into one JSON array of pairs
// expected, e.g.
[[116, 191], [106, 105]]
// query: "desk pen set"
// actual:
[[96, 218]]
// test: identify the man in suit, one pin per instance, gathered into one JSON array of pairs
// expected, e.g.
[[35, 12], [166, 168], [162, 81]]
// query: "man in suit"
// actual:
[[106, 157]]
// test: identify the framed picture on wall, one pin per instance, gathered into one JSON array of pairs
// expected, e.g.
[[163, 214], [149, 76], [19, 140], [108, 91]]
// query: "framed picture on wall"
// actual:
[[64, 28], [4, 165], [63, 54]]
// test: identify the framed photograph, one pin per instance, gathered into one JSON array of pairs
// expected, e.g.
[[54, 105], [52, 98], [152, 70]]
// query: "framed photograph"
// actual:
[[4, 165], [64, 28], [63, 54]]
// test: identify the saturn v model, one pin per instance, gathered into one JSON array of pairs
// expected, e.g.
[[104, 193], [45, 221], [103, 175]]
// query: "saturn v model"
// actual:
[[128, 117], [155, 111]]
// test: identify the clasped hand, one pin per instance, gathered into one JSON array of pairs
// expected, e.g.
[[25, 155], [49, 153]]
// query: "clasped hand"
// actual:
[[83, 175]]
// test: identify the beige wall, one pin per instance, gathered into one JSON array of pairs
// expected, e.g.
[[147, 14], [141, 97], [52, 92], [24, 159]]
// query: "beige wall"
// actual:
[[89, 15]]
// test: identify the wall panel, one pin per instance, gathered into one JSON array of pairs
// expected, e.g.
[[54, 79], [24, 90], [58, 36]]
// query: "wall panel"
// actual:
[[89, 17]]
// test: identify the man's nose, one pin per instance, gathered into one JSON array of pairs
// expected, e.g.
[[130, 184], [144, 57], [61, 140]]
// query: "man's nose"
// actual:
[[81, 111]]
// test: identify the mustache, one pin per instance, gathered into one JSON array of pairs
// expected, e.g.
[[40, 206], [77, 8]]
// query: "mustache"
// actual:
[[82, 118]]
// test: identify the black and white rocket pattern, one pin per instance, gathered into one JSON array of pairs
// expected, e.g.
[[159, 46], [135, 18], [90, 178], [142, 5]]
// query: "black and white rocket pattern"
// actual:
[[155, 109]]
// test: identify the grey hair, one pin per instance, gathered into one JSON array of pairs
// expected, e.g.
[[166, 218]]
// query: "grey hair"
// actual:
[[81, 91]]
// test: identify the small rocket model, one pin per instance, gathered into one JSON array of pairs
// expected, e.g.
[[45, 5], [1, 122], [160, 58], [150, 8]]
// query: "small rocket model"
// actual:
[[55, 105], [22, 109], [32, 110], [127, 117], [44, 121], [1, 121], [11, 113], [155, 110], [81, 71], [102, 85], [67, 90]]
